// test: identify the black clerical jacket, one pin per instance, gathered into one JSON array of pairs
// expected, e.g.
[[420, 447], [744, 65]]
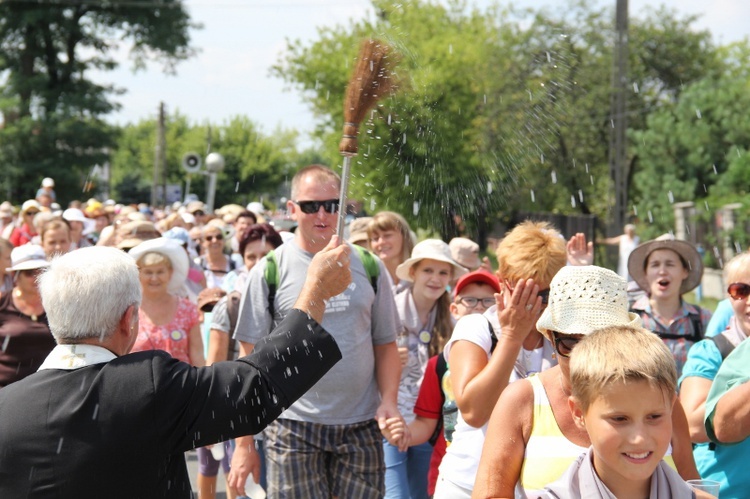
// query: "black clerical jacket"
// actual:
[[120, 429]]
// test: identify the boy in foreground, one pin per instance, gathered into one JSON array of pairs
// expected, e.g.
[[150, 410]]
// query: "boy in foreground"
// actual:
[[623, 382]]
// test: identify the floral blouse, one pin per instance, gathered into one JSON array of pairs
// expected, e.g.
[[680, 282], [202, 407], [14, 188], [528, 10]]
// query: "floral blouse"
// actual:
[[173, 338]]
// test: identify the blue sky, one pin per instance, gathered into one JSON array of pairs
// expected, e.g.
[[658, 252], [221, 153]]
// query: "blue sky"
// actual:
[[241, 39]]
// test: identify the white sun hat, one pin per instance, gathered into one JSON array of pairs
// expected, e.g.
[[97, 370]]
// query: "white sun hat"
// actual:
[[432, 249], [27, 257], [584, 299], [172, 249]]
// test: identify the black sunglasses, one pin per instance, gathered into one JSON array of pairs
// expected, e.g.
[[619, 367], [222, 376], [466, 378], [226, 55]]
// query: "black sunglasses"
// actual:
[[564, 344], [310, 207], [739, 290], [471, 302], [218, 237]]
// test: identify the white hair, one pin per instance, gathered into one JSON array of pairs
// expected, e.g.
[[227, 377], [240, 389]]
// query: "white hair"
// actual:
[[86, 292]]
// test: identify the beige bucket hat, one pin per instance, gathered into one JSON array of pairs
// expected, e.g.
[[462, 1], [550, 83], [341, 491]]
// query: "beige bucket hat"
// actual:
[[432, 249]]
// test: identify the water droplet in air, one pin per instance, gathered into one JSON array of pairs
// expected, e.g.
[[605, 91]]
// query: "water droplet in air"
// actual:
[[489, 187], [715, 172], [650, 217], [635, 87], [533, 199], [415, 208], [698, 113], [671, 197], [554, 177], [6, 340], [406, 180], [573, 201]]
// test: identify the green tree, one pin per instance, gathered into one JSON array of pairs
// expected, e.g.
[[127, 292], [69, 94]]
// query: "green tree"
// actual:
[[52, 113], [498, 111]]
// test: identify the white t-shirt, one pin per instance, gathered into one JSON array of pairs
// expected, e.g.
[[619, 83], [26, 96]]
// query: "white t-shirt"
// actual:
[[461, 460]]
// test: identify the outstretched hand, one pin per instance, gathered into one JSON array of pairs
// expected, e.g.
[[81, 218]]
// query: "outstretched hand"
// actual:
[[579, 252]]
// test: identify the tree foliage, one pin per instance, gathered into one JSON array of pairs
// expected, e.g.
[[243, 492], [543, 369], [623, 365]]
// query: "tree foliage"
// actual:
[[52, 112], [499, 111]]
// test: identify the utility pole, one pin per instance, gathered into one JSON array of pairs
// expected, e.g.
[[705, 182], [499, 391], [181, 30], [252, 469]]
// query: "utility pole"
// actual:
[[160, 170], [618, 114]]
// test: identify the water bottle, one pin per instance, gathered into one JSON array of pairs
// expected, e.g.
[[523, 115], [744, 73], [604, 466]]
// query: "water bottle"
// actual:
[[254, 490], [217, 451]]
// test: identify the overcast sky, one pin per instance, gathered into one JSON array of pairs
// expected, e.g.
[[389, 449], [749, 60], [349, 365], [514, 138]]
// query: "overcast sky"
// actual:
[[241, 39]]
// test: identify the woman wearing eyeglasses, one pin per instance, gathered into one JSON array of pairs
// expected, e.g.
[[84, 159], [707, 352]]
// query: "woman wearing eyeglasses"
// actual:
[[214, 261], [717, 461], [26, 231], [426, 322], [488, 351], [25, 338], [532, 439]]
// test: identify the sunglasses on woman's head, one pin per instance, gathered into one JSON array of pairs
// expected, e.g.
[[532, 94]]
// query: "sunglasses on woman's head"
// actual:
[[739, 290], [310, 207], [564, 344]]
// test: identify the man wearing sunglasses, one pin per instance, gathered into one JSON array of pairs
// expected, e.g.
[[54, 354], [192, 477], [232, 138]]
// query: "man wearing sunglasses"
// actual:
[[328, 444]]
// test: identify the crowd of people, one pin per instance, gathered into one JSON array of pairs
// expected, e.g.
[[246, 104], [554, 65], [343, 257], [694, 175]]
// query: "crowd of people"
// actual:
[[440, 376]]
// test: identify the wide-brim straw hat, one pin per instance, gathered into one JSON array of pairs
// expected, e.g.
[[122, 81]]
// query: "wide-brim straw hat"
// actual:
[[638, 257], [584, 299], [173, 250], [432, 249]]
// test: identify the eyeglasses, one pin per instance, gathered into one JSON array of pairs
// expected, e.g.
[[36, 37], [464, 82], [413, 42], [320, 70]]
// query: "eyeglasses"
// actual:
[[739, 290], [564, 344], [543, 293], [310, 207], [217, 237], [198, 213], [30, 272], [32, 213], [471, 302]]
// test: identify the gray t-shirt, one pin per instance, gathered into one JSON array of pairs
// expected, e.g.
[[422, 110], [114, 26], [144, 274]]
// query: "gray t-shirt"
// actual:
[[358, 319]]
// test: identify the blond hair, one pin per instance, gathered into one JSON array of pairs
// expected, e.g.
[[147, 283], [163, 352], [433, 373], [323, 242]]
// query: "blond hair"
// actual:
[[532, 250], [320, 174], [390, 220], [620, 354], [736, 265]]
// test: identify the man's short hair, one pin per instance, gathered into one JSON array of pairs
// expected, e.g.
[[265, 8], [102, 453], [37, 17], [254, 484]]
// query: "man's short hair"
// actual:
[[532, 250], [87, 291], [620, 354], [320, 174]]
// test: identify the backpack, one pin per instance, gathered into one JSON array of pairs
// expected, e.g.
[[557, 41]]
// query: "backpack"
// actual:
[[696, 326], [450, 407], [723, 344], [271, 274]]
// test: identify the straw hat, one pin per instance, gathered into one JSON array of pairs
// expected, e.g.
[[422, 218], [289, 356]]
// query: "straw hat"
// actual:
[[638, 257], [27, 257], [358, 230], [171, 249], [465, 252], [584, 299], [432, 249]]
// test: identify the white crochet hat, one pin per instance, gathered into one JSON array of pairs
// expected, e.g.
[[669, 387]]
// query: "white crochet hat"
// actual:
[[584, 299]]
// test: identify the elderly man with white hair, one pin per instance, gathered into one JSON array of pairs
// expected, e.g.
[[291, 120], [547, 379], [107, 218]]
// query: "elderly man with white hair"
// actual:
[[97, 421]]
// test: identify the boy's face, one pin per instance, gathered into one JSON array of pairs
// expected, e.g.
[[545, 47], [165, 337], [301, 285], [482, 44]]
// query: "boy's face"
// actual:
[[630, 427], [480, 291]]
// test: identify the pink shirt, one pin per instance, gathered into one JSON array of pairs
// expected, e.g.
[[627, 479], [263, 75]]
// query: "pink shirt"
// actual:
[[173, 338]]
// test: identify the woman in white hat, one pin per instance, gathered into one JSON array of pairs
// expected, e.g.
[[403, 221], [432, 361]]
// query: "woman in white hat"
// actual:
[[26, 338], [532, 439], [666, 269], [26, 231], [166, 321], [426, 322]]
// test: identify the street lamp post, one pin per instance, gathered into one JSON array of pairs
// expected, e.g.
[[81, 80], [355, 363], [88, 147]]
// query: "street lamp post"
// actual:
[[214, 164]]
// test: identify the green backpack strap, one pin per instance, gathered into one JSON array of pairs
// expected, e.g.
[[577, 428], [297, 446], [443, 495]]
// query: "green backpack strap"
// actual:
[[371, 266], [272, 280]]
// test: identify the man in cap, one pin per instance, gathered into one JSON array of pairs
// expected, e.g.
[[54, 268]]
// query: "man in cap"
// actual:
[[46, 193]]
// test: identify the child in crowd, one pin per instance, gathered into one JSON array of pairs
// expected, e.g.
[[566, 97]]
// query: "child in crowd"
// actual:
[[623, 382], [473, 294]]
